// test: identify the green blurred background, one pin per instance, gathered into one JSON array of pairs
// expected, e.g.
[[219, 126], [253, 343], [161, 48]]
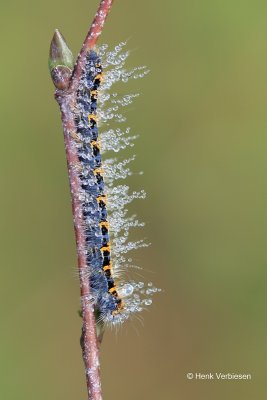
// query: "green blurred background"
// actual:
[[203, 145]]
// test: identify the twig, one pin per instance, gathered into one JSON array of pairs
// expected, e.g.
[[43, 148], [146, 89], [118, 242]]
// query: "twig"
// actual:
[[66, 84]]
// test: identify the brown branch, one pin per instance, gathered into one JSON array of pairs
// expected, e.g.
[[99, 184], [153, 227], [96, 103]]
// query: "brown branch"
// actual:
[[60, 60]]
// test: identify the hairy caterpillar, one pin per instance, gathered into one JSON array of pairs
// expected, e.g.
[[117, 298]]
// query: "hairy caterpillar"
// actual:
[[105, 218]]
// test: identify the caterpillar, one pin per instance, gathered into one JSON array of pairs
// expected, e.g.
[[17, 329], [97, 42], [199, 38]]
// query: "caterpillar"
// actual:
[[105, 218]]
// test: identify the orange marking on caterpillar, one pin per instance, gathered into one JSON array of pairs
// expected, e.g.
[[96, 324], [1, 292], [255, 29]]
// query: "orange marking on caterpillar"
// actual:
[[95, 143], [120, 307], [93, 117], [103, 198], [94, 93], [113, 291], [98, 171], [108, 268], [106, 248], [99, 77], [105, 224]]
